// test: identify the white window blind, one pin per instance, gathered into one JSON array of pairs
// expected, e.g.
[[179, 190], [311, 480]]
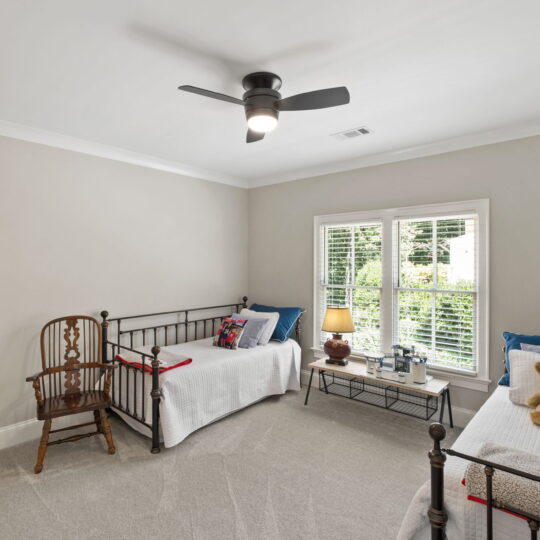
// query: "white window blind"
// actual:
[[351, 275], [435, 288]]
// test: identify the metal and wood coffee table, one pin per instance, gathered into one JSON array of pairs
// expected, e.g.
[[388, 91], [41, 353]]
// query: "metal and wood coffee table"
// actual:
[[354, 382]]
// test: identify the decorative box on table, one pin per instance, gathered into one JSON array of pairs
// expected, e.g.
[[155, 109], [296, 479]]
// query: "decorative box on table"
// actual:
[[373, 361], [403, 365]]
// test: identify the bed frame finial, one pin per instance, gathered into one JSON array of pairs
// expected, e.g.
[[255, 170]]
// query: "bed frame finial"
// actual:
[[244, 299], [437, 432], [437, 513], [104, 335]]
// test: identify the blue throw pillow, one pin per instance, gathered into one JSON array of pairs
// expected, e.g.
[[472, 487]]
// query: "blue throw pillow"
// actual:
[[287, 319], [252, 331], [514, 341]]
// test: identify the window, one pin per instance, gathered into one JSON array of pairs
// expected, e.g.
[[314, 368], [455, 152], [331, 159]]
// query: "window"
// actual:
[[435, 288], [352, 276], [414, 276]]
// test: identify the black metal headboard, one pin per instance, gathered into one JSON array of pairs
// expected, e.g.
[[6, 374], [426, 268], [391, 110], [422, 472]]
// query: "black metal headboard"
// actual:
[[160, 332]]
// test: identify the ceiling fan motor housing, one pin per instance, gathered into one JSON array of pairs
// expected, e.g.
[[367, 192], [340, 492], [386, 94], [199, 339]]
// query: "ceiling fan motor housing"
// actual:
[[261, 94], [261, 101], [261, 79]]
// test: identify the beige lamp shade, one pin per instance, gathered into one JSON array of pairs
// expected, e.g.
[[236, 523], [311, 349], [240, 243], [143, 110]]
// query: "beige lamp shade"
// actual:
[[338, 320]]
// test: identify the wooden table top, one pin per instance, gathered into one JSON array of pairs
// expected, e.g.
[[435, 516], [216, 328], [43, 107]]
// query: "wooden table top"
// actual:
[[433, 387]]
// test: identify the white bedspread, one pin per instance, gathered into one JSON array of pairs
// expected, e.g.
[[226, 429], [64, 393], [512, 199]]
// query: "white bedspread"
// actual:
[[498, 421], [218, 382]]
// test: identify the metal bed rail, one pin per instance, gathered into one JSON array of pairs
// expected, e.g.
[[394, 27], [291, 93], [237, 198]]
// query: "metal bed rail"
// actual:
[[170, 333], [125, 387]]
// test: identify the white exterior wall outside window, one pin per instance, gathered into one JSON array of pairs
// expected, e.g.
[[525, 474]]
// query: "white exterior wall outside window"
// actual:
[[416, 276]]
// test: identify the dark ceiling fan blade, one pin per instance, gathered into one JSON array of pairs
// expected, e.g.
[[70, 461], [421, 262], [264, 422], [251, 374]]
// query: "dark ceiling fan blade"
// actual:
[[318, 99], [210, 94], [254, 136]]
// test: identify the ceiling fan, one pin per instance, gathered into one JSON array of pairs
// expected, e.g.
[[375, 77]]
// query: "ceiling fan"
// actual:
[[263, 103]]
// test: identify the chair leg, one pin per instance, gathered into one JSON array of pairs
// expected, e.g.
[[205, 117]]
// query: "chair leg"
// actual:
[[43, 446], [97, 420], [107, 430]]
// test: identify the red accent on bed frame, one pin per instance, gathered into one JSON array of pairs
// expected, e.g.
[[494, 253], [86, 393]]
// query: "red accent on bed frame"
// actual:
[[148, 369]]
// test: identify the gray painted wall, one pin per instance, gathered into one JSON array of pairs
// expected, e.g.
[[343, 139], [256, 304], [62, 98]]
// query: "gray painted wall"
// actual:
[[281, 230], [79, 234]]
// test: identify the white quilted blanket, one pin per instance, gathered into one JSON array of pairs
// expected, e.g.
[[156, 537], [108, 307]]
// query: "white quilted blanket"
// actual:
[[500, 422], [218, 382]]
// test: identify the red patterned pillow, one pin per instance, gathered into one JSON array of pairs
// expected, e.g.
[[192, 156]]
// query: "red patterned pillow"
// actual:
[[229, 333]]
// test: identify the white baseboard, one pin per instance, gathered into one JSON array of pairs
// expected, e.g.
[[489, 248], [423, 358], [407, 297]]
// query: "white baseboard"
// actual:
[[304, 377], [19, 433], [460, 415], [29, 430]]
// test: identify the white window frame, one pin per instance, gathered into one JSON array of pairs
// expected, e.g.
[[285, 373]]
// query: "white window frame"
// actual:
[[478, 380]]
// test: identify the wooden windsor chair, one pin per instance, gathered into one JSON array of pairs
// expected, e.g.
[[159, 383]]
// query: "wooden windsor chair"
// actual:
[[74, 380]]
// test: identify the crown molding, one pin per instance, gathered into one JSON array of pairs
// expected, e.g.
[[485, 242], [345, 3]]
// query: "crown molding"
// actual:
[[413, 152], [66, 142]]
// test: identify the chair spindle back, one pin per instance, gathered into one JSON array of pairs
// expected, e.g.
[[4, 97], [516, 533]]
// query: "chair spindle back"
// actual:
[[65, 342]]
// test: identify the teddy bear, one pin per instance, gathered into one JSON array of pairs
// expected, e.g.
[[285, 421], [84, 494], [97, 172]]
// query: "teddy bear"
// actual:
[[534, 401]]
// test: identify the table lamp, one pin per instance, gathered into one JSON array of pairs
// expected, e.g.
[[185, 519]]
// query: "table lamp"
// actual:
[[337, 320]]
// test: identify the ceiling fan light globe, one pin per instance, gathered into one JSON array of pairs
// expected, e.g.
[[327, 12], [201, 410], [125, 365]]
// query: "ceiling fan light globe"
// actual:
[[262, 123]]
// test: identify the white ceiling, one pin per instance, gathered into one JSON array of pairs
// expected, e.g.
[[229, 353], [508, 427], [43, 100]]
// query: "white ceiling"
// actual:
[[424, 76]]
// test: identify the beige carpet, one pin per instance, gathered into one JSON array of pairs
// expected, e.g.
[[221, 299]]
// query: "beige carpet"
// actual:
[[335, 469]]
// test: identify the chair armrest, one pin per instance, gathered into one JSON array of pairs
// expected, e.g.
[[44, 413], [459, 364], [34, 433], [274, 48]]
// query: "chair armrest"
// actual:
[[50, 371], [91, 365], [34, 377], [96, 365]]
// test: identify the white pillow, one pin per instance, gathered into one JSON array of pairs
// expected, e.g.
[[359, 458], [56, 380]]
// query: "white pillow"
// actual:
[[273, 319], [524, 381], [530, 347]]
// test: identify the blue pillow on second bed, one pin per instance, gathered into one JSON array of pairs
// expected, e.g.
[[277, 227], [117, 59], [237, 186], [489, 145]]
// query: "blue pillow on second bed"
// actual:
[[287, 319]]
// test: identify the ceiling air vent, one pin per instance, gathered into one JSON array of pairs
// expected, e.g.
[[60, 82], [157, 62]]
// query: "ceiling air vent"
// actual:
[[352, 133]]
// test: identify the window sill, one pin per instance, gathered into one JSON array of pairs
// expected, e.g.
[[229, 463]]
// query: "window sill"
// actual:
[[471, 382]]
